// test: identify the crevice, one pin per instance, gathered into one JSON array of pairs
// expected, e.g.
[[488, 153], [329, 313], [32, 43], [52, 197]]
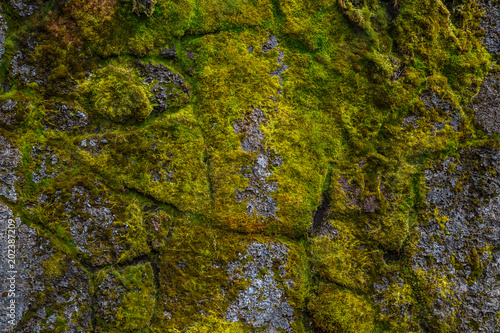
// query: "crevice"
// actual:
[[321, 213], [392, 9], [156, 202]]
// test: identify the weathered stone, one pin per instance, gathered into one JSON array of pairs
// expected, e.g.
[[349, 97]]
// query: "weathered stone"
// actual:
[[258, 191], [461, 242], [263, 304], [170, 52], [3, 31], [8, 112], [64, 293], [10, 158], [25, 7], [270, 44], [487, 104], [168, 88], [65, 118], [490, 22], [48, 164], [126, 290]]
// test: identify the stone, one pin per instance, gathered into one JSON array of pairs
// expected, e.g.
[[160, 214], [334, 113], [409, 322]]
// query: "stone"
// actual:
[[487, 104], [263, 304], [10, 158]]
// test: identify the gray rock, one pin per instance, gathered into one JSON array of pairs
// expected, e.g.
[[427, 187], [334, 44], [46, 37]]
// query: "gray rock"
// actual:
[[167, 87], [263, 304], [490, 22], [269, 44], [65, 118], [465, 248], [8, 112], [24, 7], [10, 158], [170, 52], [487, 104], [66, 293], [3, 31], [258, 191], [48, 162]]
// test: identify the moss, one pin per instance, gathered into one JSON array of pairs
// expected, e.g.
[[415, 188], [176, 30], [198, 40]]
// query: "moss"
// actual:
[[117, 94], [135, 301], [194, 280], [337, 310], [343, 260]]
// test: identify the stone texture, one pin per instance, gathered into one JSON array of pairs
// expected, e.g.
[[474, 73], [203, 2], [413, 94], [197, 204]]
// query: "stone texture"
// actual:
[[10, 158], [487, 104], [168, 88], [65, 118], [263, 304], [490, 22], [259, 189], [66, 293], [464, 248], [24, 7]]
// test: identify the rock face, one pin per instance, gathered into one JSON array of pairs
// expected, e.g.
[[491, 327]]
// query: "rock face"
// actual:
[[490, 23], [487, 104], [258, 191], [122, 294], [263, 304], [10, 158], [25, 7], [66, 119], [168, 88], [460, 241], [249, 166], [53, 289], [3, 31]]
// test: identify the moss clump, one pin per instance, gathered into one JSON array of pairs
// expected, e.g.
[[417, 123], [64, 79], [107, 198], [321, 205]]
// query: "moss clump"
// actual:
[[118, 94], [127, 296], [337, 310], [342, 260]]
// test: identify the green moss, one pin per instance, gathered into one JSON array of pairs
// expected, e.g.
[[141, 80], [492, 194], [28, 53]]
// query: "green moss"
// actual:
[[343, 259], [118, 94], [337, 310], [194, 280], [134, 302]]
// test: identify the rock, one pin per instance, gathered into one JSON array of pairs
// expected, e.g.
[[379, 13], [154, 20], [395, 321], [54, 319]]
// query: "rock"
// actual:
[[3, 31], [48, 167], [144, 7], [461, 242], [433, 101], [399, 71], [169, 53], [8, 112], [263, 304], [44, 288], [490, 22], [24, 7], [270, 44], [487, 104], [119, 292], [258, 191], [10, 158], [98, 234], [65, 118], [168, 88], [21, 69]]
